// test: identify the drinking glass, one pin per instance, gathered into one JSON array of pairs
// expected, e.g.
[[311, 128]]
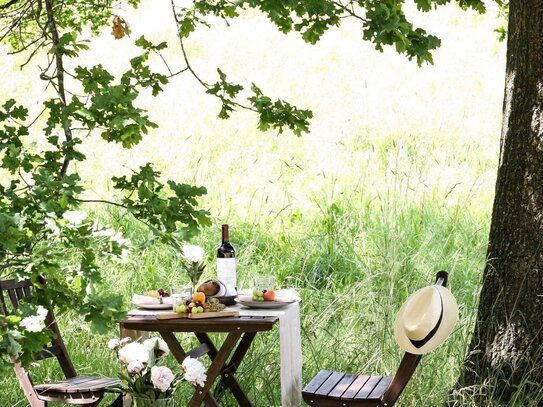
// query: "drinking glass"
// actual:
[[263, 283], [179, 294]]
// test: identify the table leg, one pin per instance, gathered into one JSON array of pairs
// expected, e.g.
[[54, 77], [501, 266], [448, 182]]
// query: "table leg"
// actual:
[[217, 365], [180, 355], [227, 376]]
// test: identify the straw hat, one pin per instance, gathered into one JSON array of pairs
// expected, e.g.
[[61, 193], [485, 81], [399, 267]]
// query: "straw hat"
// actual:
[[426, 319]]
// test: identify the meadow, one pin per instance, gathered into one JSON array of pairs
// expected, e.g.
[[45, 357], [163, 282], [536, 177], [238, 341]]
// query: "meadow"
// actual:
[[394, 182]]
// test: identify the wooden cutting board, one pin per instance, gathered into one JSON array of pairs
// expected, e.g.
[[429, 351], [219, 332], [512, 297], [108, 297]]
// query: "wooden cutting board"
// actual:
[[200, 315]]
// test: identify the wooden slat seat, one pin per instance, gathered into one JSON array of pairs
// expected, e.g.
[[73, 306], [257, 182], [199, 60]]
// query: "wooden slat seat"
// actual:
[[346, 389], [336, 389], [77, 384], [79, 390]]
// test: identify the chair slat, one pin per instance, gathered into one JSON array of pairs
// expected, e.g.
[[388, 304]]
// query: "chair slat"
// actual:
[[13, 284], [342, 386], [13, 298], [368, 388], [317, 381], [19, 293], [329, 384], [379, 390], [355, 387]]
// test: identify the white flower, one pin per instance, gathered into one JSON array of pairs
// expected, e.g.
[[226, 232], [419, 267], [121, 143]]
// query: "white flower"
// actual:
[[126, 340], [192, 253], [162, 377], [51, 225], [113, 343], [35, 323], [74, 217], [194, 371], [134, 367], [157, 345], [133, 351], [32, 324], [42, 312]]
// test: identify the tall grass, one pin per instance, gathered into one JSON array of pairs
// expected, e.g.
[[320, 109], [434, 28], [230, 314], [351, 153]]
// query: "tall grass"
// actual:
[[394, 182]]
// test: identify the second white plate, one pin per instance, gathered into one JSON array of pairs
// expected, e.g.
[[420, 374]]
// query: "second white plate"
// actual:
[[264, 304]]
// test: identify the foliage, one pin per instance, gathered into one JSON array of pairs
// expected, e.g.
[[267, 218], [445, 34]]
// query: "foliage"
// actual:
[[44, 231]]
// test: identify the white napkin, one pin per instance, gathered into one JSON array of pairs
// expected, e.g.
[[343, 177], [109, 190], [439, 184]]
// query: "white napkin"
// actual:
[[147, 300], [283, 295]]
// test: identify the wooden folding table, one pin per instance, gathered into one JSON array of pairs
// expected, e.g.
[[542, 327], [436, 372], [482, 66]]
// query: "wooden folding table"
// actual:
[[225, 359]]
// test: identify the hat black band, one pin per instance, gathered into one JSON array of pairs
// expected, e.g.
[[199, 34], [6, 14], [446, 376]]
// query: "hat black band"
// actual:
[[423, 341]]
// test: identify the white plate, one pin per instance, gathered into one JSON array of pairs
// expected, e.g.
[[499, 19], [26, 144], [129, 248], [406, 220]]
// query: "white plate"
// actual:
[[154, 306], [263, 304]]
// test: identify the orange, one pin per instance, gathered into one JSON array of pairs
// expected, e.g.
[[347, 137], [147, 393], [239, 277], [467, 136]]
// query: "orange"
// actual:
[[199, 296]]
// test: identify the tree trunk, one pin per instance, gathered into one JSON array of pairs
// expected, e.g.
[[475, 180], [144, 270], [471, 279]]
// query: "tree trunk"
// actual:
[[505, 358]]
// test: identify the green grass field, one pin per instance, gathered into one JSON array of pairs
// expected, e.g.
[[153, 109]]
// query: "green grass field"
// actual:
[[394, 182]]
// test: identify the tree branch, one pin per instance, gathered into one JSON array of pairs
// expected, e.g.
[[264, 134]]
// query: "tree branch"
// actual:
[[59, 76], [8, 4], [104, 201]]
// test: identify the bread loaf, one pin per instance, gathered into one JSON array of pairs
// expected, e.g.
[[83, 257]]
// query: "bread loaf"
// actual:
[[209, 287]]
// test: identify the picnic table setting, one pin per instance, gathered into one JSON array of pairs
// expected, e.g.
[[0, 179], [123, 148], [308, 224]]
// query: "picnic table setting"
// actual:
[[221, 323], [204, 308]]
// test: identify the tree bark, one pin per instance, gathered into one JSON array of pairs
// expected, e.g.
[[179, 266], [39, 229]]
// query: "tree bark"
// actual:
[[505, 357]]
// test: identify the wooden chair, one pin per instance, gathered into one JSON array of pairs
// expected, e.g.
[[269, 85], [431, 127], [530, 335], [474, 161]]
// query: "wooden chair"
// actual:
[[73, 389], [336, 389]]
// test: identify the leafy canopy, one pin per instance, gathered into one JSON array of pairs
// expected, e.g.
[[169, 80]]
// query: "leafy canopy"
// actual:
[[43, 230]]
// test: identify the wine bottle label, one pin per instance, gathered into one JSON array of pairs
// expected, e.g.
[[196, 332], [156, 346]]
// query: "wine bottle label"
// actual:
[[226, 271]]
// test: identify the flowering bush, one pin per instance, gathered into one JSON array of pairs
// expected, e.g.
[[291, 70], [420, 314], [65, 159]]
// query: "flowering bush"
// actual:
[[194, 264], [142, 377], [23, 334]]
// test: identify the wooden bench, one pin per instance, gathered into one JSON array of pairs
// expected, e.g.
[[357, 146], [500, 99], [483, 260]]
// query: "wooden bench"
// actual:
[[73, 389], [337, 389]]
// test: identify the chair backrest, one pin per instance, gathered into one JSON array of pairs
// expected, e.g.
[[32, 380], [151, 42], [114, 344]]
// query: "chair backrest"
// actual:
[[12, 292], [409, 362]]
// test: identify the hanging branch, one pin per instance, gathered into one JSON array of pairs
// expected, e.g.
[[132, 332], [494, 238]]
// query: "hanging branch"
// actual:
[[59, 76]]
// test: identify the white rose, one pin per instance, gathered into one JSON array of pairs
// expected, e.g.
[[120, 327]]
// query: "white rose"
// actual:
[[194, 371], [134, 367], [133, 351], [113, 344], [192, 253], [161, 377], [126, 340], [74, 217], [157, 345]]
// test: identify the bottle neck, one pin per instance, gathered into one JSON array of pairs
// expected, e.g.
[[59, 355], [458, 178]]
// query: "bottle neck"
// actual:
[[225, 233]]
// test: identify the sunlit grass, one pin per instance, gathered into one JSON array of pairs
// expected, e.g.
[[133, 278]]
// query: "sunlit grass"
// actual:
[[394, 182]]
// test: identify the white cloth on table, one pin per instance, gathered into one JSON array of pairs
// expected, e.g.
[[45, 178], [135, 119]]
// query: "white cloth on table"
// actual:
[[290, 349]]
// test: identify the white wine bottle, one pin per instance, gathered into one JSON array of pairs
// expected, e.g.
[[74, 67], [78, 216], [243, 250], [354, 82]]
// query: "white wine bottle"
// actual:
[[226, 260]]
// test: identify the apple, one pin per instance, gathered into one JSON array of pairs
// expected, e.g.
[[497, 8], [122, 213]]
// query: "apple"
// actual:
[[269, 295]]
